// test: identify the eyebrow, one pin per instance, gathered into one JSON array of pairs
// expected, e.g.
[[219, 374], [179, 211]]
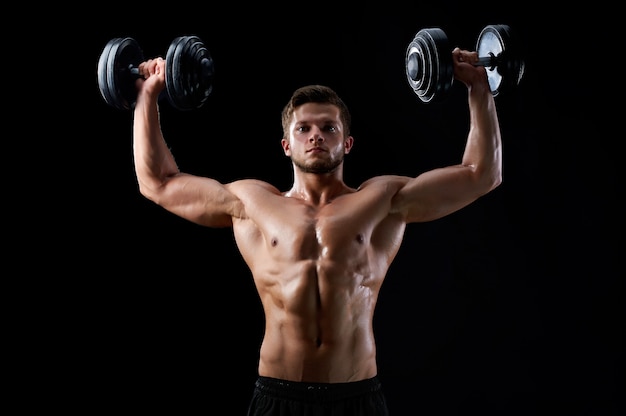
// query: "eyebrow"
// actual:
[[323, 121]]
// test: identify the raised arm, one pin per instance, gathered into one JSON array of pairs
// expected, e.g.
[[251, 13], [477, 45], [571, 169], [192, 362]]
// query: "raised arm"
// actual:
[[441, 191], [201, 200]]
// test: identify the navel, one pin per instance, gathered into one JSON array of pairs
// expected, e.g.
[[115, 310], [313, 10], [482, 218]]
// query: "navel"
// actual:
[[274, 242], [360, 239]]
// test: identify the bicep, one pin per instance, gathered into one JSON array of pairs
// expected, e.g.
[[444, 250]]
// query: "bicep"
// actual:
[[436, 193], [201, 200]]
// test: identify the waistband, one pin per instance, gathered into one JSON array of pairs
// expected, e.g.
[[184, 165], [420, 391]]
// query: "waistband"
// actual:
[[300, 390]]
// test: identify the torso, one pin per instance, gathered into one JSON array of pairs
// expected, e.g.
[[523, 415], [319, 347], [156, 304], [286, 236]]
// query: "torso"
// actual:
[[318, 271]]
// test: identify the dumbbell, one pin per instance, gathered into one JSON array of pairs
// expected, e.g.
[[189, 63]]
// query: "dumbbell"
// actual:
[[189, 72], [429, 66]]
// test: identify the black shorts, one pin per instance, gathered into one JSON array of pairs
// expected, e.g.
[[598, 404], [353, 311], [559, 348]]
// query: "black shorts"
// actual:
[[275, 397]]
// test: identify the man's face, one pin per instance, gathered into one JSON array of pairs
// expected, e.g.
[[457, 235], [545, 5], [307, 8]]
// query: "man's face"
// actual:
[[316, 138]]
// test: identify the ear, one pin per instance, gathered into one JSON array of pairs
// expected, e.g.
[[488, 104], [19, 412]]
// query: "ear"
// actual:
[[286, 146], [348, 142]]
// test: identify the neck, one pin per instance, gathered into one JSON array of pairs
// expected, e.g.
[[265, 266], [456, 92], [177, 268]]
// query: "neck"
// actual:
[[316, 188]]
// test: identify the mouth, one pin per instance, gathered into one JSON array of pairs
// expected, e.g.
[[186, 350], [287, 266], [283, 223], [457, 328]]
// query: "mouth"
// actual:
[[316, 150]]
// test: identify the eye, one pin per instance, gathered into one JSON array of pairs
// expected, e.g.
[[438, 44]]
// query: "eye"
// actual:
[[302, 129], [330, 128]]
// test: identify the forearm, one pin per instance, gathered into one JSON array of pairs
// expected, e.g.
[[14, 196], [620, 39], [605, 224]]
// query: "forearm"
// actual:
[[483, 151], [154, 162]]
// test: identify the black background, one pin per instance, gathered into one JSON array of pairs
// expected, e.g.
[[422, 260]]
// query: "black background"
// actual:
[[507, 307]]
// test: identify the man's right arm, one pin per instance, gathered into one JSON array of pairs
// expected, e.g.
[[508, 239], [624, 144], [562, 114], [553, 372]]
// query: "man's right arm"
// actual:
[[201, 200]]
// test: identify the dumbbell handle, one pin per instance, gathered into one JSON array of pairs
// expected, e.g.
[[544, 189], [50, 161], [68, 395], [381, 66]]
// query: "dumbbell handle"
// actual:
[[205, 63], [488, 61]]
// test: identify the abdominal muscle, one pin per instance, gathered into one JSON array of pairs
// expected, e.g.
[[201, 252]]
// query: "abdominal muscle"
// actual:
[[318, 323]]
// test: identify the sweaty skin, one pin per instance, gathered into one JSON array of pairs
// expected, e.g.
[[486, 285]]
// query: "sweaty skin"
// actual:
[[319, 252]]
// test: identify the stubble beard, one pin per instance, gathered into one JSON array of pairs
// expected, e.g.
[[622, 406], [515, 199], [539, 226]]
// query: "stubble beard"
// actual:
[[318, 167]]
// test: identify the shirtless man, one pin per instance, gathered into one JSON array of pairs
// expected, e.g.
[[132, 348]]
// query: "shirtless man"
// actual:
[[319, 251]]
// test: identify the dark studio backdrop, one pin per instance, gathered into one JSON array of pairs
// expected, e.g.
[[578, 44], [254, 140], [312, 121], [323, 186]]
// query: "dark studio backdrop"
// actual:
[[507, 307]]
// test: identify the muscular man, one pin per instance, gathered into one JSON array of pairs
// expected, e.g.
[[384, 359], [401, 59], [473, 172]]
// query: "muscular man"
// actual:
[[319, 251]]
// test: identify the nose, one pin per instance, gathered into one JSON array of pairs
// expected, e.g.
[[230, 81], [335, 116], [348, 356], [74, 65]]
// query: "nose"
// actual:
[[316, 136]]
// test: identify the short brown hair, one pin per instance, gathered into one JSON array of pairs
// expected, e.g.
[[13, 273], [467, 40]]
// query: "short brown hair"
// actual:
[[315, 94]]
